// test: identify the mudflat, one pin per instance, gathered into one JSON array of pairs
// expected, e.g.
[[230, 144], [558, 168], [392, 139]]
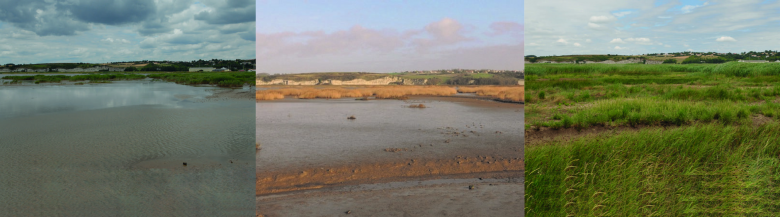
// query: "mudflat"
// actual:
[[310, 150]]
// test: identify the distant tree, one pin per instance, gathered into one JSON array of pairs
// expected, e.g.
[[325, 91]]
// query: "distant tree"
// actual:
[[670, 60], [433, 81]]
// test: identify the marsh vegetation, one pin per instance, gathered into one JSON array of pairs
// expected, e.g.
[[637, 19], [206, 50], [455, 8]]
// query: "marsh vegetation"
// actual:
[[505, 93], [661, 140]]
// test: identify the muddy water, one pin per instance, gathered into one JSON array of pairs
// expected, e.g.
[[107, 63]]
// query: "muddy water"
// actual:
[[119, 148], [313, 133]]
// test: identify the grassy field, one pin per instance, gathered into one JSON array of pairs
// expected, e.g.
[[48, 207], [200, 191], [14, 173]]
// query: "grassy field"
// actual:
[[228, 79], [655, 140]]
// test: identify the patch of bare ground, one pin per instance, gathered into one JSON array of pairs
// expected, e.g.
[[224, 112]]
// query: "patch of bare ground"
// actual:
[[760, 119], [546, 135], [289, 180], [229, 93]]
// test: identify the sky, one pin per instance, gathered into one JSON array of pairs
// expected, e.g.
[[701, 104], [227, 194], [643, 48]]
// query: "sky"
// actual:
[[563, 27], [99, 31], [297, 36]]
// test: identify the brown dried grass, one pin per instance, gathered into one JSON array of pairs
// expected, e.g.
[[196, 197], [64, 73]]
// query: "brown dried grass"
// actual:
[[386, 92], [511, 93], [268, 95]]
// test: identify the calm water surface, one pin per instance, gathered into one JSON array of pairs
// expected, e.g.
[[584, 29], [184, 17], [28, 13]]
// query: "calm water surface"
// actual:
[[316, 132], [118, 150]]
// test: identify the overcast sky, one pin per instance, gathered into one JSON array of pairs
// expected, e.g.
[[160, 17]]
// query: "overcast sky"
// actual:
[[561, 27], [96, 31], [296, 36]]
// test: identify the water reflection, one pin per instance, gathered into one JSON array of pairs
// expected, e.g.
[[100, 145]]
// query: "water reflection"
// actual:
[[118, 150], [25, 100]]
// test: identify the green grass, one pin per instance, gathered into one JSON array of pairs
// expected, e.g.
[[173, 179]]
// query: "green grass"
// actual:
[[702, 170], [235, 79], [697, 151]]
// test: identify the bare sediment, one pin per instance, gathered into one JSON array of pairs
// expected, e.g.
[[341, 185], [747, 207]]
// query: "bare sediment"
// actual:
[[473, 198], [288, 180], [231, 93]]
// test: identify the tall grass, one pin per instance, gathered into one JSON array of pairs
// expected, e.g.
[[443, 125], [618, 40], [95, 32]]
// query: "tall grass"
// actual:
[[232, 79], [512, 93], [703, 170], [645, 111]]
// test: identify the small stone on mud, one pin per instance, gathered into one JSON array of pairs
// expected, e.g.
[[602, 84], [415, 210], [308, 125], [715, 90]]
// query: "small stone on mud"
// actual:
[[351, 117], [348, 212], [231, 161], [471, 187], [185, 164]]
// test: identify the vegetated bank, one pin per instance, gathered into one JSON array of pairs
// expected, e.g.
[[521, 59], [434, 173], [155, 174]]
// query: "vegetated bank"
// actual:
[[500, 93], [705, 139], [221, 79]]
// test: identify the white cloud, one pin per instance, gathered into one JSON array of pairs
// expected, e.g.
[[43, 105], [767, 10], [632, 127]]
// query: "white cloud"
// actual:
[[533, 44], [621, 14], [562, 41], [601, 19], [617, 41], [111, 40], [644, 41], [688, 8], [619, 48], [745, 21], [638, 39], [576, 44], [588, 40], [725, 38]]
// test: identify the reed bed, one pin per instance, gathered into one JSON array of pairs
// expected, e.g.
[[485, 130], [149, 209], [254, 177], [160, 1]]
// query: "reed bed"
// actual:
[[515, 93], [391, 92], [268, 96]]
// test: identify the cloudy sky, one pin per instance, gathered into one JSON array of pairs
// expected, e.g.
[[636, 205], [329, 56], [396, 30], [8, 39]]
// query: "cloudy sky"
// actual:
[[560, 27], [96, 31], [296, 36]]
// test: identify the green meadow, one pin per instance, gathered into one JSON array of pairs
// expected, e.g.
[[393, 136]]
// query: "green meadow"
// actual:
[[653, 140]]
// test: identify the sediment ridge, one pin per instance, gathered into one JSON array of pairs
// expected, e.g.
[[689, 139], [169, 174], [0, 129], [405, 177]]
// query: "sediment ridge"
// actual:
[[273, 182]]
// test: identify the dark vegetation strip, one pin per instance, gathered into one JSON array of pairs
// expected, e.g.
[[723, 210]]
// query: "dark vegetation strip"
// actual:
[[220, 79]]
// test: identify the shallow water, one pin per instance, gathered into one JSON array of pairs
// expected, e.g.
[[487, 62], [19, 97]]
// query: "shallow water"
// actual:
[[312, 133], [119, 148]]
